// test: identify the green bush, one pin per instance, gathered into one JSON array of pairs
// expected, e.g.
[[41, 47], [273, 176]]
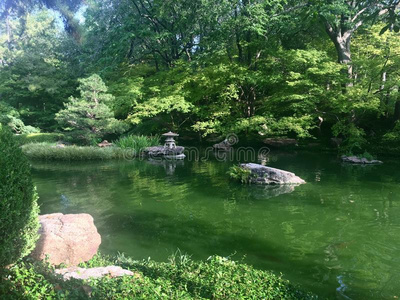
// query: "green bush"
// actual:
[[180, 278], [10, 117], [23, 139], [239, 173], [137, 142], [18, 202], [48, 151]]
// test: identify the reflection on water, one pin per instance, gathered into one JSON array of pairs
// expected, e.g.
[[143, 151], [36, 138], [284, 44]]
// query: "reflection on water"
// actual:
[[338, 235]]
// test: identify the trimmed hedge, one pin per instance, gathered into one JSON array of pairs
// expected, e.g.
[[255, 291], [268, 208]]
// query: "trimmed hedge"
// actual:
[[18, 202]]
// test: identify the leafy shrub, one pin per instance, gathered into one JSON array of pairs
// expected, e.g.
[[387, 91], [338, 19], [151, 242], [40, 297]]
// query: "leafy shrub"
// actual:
[[137, 142], [48, 151], [180, 278], [393, 136], [367, 156], [38, 138], [10, 116], [353, 136], [18, 202], [239, 173]]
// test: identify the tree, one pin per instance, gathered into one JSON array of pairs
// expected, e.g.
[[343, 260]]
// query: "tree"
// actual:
[[34, 77], [89, 117], [342, 18], [10, 116]]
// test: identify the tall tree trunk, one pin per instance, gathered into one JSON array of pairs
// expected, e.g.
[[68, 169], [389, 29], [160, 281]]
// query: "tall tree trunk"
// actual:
[[343, 51], [237, 37], [397, 111]]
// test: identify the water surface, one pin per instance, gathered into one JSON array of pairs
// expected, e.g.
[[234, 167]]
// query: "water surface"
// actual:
[[338, 235]]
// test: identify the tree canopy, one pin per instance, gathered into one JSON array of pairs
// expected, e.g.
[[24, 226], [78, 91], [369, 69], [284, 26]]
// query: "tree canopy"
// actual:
[[261, 68]]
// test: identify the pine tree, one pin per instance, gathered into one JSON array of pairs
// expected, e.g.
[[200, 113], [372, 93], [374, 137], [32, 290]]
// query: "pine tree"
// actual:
[[88, 118]]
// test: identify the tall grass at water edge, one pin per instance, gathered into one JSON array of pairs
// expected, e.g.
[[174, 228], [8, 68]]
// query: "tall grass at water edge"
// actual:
[[137, 142]]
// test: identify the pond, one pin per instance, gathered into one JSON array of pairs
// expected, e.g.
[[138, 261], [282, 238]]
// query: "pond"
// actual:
[[338, 235]]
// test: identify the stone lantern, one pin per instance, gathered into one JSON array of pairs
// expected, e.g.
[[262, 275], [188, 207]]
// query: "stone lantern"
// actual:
[[169, 141]]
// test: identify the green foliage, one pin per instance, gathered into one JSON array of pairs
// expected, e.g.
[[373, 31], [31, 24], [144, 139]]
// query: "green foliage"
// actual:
[[23, 139], [393, 137], [354, 137], [10, 116], [256, 68], [137, 143], [48, 151], [33, 77], [18, 202], [181, 278], [241, 174], [89, 118], [367, 156]]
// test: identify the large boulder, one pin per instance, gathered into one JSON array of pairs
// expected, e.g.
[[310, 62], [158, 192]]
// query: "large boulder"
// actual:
[[69, 239], [266, 175], [84, 274]]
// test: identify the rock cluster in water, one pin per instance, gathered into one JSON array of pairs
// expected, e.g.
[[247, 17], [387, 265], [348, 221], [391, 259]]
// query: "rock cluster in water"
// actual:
[[358, 160], [266, 175], [164, 152]]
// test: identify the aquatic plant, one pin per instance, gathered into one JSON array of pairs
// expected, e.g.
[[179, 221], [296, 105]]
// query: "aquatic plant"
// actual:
[[239, 173], [137, 142]]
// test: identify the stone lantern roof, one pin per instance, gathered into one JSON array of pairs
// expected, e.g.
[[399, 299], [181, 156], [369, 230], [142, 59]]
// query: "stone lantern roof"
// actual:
[[170, 134]]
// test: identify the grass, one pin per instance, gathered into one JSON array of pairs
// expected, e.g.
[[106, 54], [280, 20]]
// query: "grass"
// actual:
[[180, 278], [126, 147], [49, 151], [23, 139], [137, 142]]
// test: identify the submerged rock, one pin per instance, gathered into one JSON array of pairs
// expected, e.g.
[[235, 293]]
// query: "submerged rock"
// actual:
[[280, 142], [358, 160], [266, 175], [84, 274], [225, 145], [161, 151], [69, 239]]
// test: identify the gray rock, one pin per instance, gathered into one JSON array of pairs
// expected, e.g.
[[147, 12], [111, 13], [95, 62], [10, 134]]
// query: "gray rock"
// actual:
[[84, 274], [224, 146], [358, 160], [266, 175], [161, 151]]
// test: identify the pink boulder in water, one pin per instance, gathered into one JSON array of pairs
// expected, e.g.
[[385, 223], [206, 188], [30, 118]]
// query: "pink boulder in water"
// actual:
[[69, 239]]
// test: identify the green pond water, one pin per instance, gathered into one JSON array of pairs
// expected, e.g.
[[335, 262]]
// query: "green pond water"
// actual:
[[338, 235]]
